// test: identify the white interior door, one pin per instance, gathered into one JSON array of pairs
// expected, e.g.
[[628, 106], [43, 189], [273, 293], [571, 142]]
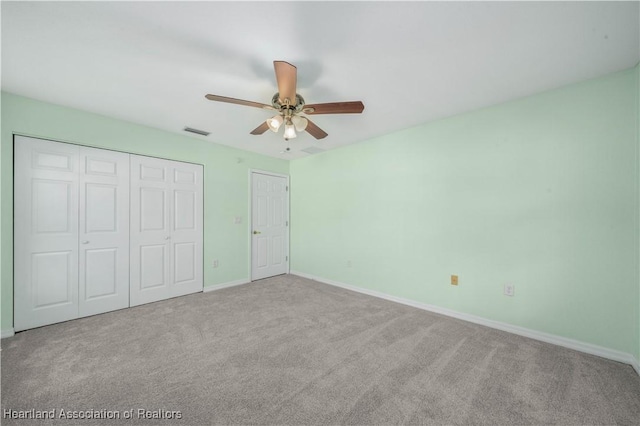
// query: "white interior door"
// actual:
[[46, 232], [166, 229], [270, 225], [104, 231]]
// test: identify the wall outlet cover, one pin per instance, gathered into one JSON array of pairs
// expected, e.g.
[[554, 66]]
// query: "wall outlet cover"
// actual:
[[509, 290]]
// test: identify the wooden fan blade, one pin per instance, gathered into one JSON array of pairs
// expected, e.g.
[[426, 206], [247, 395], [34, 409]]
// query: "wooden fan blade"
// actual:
[[287, 78], [238, 101], [315, 131], [260, 129], [355, 107]]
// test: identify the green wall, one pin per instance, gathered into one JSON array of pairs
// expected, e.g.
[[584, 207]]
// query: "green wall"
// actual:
[[226, 181], [541, 193], [637, 354]]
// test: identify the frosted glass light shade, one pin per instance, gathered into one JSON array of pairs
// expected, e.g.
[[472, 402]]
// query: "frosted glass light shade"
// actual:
[[300, 123], [274, 122], [289, 131]]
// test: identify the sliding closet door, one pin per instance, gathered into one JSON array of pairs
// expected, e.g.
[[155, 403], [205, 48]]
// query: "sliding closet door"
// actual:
[[46, 232], [104, 231], [166, 229]]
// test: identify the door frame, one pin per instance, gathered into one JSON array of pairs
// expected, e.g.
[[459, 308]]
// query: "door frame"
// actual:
[[250, 217]]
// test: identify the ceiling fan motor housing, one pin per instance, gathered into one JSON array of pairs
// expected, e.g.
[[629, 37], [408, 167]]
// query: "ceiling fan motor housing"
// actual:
[[275, 101]]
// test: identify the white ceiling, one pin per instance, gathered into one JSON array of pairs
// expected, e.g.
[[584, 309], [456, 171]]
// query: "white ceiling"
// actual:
[[153, 62]]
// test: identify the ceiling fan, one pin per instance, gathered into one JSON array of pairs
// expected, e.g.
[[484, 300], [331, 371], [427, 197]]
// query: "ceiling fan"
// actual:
[[289, 105]]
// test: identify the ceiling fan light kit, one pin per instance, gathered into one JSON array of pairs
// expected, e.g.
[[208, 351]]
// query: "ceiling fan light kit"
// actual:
[[275, 122], [300, 123], [289, 105]]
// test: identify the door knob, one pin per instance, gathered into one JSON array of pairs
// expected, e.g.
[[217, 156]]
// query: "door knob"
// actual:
[[256, 232], [85, 242]]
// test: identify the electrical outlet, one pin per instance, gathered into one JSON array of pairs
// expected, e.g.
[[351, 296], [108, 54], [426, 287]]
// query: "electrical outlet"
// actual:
[[509, 290], [454, 280], [215, 263], [237, 220]]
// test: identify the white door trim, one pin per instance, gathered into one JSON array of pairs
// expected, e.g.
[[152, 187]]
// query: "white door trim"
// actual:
[[250, 217]]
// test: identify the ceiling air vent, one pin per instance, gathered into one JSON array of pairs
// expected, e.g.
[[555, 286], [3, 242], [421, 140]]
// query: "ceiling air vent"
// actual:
[[312, 150], [196, 131]]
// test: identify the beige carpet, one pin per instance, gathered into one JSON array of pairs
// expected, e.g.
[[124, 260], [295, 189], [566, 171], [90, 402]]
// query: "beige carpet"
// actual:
[[287, 350]]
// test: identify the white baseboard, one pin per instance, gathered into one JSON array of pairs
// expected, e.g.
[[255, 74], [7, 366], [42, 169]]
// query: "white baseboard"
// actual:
[[526, 332], [636, 365], [225, 285], [6, 333]]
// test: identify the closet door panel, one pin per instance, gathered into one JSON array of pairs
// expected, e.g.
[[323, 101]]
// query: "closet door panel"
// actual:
[[150, 243], [186, 233], [46, 232], [104, 231], [166, 230], [153, 259]]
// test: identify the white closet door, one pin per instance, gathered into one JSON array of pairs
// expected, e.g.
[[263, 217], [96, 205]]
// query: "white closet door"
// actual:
[[150, 230], [186, 229], [104, 231], [166, 229], [46, 232]]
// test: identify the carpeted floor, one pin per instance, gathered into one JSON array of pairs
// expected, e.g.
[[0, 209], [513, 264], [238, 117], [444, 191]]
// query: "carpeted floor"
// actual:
[[287, 350]]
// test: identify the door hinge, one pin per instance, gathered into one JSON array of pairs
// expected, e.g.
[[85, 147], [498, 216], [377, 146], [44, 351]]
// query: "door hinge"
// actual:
[[286, 258], [286, 223], [287, 187]]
